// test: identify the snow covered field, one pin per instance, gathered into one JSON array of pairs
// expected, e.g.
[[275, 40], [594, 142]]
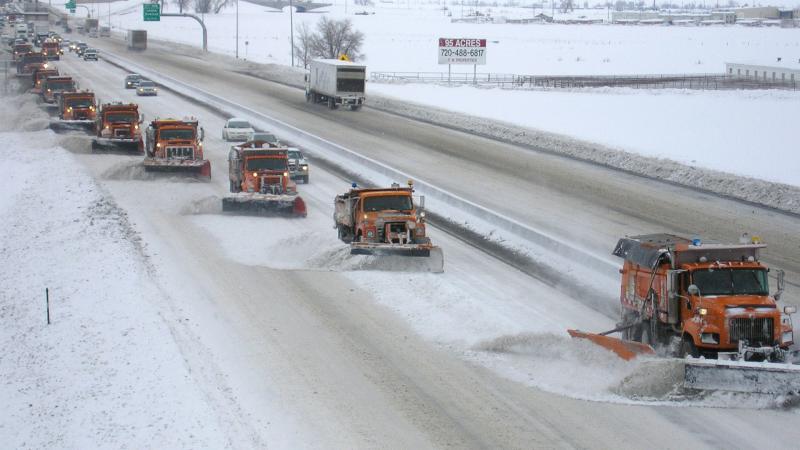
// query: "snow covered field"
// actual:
[[738, 132]]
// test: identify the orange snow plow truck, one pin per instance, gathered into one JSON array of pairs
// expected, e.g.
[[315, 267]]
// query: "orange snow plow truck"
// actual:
[[385, 222], [709, 303], [260, 182], [118, 126], [175, 146], [76, 110]]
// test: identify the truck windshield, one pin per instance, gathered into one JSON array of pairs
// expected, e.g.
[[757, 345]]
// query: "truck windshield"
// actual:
[[176, 134], [731, 281], [389, 202], [277, 164], [34, 59], [80, 102], [121, 117], [294, 154], [60, 85]]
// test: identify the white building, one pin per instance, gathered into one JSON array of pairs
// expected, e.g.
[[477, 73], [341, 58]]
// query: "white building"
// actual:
[[780, 70]]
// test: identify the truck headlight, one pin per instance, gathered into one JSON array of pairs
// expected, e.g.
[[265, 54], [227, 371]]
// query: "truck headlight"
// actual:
[[787, 336], [702, 311], [304, 168], [709, 338]]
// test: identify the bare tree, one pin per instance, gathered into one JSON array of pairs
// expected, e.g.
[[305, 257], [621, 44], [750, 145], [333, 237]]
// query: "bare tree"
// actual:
[[218, 5], [182, 4], [567, 6], [336, 37], [302, 44], [202, 6]]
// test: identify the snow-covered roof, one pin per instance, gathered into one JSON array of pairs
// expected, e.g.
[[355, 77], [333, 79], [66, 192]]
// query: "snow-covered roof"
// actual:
[[786, 63]]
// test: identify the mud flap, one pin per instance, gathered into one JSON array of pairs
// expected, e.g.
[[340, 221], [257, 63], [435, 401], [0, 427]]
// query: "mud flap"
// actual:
[[264, 207], [741, 376], [626, 350]]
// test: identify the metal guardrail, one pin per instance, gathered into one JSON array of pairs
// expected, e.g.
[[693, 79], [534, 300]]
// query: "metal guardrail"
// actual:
[[511, 81]]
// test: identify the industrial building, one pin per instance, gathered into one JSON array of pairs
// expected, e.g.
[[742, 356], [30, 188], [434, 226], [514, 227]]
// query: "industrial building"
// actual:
[[782, 70]]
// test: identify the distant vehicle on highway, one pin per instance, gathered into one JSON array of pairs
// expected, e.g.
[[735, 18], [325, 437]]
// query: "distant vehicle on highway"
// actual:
[[264, 136], [237, 130], [132, 80], [80, 48], [146, 87], [90, 54]]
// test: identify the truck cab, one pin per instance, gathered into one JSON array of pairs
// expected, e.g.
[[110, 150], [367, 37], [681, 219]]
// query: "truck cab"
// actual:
[[51, 49], [176, 145], [28, 62], [260, 167], [77, 106], [118, 125], [714, 298], [382, 215], [53, 87], [38, 78]]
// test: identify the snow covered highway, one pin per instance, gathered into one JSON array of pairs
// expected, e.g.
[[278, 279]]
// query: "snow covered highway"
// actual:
[[263, 334]]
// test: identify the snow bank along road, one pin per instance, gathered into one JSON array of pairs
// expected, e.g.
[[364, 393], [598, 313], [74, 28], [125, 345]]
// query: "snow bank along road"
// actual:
[[311, 352]]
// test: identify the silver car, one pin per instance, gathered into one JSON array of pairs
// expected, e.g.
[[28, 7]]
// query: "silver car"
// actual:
[[146, 87]]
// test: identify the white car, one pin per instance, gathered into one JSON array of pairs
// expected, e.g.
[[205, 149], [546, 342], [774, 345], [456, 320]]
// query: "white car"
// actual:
[[298, 165], [237, 130]]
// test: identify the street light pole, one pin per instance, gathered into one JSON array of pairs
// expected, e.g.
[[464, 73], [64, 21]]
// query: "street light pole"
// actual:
[[291, 28], [237, 29]]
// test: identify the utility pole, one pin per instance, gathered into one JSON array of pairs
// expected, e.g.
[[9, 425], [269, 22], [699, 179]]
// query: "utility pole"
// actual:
[[291, 28], [237, 29]]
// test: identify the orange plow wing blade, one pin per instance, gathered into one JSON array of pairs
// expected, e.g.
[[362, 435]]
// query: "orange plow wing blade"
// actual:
[[626, 350]]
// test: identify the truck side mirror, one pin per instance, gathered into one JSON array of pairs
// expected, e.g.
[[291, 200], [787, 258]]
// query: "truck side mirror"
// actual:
[[202, 133], [781, 284], [305, 77], [693, 289], [421, 202], [141, 117]]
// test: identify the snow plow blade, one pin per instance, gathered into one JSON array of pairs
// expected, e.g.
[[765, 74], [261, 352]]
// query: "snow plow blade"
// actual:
[[202, 168], [426, 258], [265, 205], [740, 376], [626, 350], [108, 144], [72, 125]]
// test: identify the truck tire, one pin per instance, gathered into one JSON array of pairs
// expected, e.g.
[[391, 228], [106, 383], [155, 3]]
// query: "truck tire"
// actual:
[[331, 103], [355, 107], [305, 179], [344, 233], [688, 348], [308, 97]]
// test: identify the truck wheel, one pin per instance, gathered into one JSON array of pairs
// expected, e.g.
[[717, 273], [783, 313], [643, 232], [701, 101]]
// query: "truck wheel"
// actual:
[[331, 103], [345, 235], [305, 179], [308, 97], [688, 348], [355, 107]]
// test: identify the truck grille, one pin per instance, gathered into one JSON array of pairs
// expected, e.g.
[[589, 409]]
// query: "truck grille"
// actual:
[[122, 132], [752, 330], [180, 152]]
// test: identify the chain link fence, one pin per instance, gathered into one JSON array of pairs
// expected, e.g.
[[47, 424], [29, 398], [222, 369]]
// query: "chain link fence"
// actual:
[[511, 81]]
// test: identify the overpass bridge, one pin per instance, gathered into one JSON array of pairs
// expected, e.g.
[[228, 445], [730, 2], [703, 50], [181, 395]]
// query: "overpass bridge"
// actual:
[[300, 6]]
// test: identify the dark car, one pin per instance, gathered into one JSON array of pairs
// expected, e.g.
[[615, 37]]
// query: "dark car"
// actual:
[[80, 48], [132, 81]]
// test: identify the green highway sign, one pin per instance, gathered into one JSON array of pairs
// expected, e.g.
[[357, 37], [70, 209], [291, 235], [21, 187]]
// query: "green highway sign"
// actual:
[[152, 12], [70, 4]]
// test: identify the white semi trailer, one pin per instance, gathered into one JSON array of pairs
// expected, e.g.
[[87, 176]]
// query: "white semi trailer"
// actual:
[[336, 83]]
